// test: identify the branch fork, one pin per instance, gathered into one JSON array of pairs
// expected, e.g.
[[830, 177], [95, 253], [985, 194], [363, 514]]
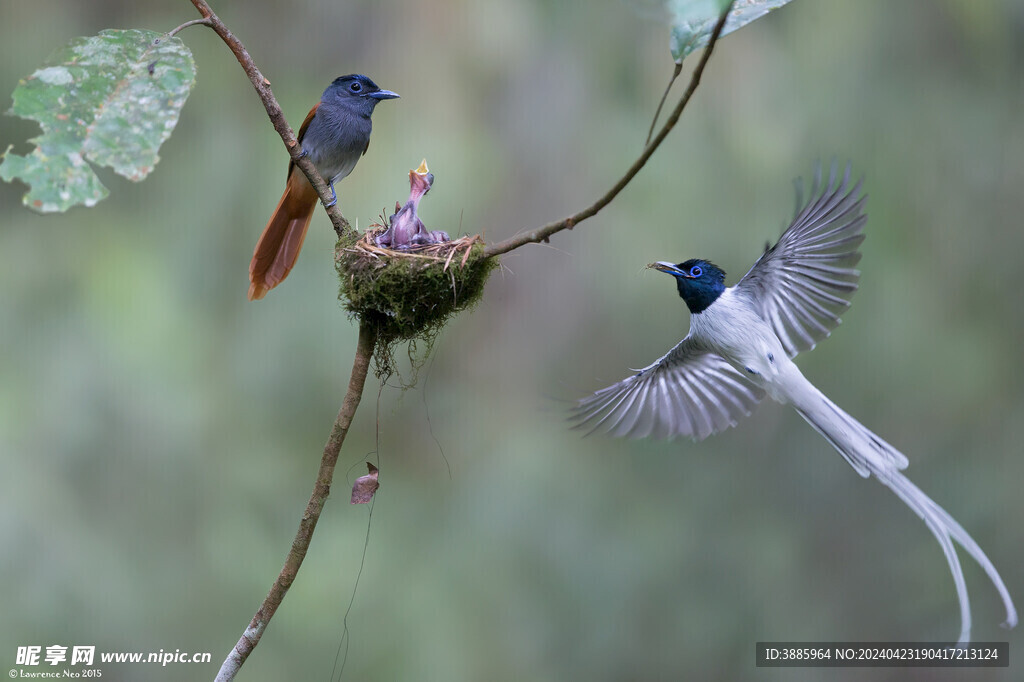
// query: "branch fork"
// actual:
[[367, 332]]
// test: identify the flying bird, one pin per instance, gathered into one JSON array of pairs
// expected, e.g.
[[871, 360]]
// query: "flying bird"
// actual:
[[740, 348]]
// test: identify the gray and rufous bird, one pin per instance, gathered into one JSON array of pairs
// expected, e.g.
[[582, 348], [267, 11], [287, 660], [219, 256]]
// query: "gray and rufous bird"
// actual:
[[741, 346], [334, 135]]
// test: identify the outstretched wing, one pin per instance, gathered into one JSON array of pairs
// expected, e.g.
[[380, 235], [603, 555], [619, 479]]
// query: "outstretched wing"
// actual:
[[801, 284], [688, 392]]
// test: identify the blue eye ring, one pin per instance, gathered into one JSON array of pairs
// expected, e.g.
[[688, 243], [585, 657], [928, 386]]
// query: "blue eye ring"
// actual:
[[696, 271], [355, 87]]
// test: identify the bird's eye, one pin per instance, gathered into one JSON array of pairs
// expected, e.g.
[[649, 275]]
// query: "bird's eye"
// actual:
[[355, 87], [695, 271]]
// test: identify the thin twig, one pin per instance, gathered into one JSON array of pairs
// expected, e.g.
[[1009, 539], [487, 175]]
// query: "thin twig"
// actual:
[[543, 234], [367, 336], [205, 21], [262, 85], [664, 96], [321, 489], [364, 352]]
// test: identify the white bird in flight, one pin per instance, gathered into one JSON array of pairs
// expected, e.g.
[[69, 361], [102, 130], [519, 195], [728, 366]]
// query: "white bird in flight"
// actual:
[[740, 347]]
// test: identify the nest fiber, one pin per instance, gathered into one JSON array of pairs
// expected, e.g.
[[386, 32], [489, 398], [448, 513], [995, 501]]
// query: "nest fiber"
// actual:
[[409, 295]]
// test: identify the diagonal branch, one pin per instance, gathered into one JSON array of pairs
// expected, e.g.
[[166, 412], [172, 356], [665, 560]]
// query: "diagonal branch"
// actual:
[[543, 234], [321, 489], [678, 69], [262, 85], [364, 351], [367, 334]]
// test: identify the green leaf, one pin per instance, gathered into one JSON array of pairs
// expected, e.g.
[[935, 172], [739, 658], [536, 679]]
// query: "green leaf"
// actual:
[[694, 20], [112, 99]]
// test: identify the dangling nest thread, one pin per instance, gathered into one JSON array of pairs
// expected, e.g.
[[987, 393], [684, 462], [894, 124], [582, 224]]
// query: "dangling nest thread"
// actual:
[[409, 295]]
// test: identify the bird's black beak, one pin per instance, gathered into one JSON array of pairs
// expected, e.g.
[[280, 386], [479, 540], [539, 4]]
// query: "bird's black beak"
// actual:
[[663, 266], [383, 94]]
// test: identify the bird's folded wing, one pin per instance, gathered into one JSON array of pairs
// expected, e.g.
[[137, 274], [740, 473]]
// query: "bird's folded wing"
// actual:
[[688, 392], [801, 284], [302, 133]]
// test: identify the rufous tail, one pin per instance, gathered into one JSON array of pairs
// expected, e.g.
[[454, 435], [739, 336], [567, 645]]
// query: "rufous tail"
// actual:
[[282, 238]]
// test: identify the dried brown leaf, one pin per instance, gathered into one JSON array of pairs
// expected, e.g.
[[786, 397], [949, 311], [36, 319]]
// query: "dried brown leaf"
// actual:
[[365, 486]]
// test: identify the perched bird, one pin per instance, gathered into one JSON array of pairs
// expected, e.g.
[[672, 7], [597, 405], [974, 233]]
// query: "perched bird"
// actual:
[[334, 135], [740, 347]]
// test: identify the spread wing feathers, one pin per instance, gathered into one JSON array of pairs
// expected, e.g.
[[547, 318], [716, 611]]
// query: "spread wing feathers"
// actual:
[[801, 284], [687, 392]]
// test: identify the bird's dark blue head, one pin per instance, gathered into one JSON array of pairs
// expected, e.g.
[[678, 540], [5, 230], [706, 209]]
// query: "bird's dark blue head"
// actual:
[[357, 92], [699, 282]]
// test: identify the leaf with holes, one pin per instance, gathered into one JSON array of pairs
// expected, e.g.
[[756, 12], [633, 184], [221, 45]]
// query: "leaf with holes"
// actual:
[[111, 99], [693, 21]]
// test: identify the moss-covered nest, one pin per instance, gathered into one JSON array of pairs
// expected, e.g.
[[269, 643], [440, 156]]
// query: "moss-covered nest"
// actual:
[[409, 295]]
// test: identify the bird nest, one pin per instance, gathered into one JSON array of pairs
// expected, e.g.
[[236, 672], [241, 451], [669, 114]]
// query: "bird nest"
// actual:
[[408, 295]]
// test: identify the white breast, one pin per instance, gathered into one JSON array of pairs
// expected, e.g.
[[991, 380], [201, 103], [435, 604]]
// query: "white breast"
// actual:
[[732, 328]]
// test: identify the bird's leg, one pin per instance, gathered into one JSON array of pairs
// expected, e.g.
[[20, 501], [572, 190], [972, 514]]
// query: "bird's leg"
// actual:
[[334, 196]]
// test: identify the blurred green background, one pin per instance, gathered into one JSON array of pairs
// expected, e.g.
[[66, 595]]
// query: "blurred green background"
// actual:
[[160, 434]]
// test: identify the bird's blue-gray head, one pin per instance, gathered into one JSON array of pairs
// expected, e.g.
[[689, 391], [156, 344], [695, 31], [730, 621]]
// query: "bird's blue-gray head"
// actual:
[[357, 92], [699, 282]]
